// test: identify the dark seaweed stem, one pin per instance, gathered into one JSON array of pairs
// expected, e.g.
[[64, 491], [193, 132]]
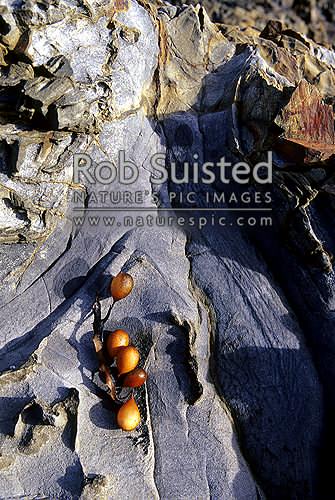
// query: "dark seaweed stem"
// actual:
[[98, 323], [98, 327]]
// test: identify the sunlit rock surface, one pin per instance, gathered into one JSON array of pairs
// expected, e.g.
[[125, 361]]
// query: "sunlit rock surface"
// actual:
[[312, 18], [235, 325]]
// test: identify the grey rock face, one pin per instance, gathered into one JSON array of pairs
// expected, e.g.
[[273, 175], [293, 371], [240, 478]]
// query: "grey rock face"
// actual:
[[234, 325]]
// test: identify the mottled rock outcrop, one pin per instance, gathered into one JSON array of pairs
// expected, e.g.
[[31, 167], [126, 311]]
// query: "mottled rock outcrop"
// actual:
[[235, 325], [310, 17]]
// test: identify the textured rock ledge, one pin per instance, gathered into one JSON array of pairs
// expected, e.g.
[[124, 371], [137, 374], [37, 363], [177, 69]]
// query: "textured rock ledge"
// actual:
[[236, 326], [313, 19]]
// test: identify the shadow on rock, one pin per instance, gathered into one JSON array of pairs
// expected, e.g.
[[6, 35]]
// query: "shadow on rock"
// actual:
[[277, 410], [103, 416], [73, 480], [10, 408]]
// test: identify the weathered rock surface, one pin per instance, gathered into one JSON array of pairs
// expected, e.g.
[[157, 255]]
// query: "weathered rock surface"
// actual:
[[235, 325], [310, 17]]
